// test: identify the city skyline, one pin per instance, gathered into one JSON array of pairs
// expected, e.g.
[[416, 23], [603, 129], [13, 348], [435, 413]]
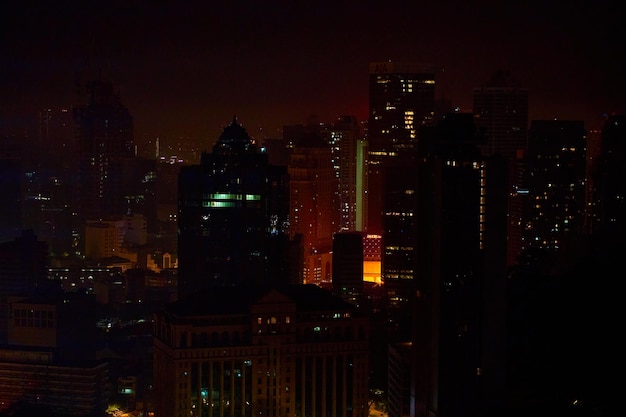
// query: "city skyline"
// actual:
[[184, 69]]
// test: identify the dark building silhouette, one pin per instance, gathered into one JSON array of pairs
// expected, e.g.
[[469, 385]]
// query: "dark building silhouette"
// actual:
[[50, 358], [49, 181], [314, 200], [11, 200], [348, 266], [399, 377], [554, 178], [608, 173], [443, 268], [139, 190], [23, 272], [232, 217], [401, 100], [291, 350], [104, 144], [500, 108]]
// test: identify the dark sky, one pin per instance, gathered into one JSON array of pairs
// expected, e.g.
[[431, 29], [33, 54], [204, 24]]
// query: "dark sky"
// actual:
[[184, 68]]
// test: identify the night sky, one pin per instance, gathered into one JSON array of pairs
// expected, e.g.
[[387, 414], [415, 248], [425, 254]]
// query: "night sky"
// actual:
[[184, 68]]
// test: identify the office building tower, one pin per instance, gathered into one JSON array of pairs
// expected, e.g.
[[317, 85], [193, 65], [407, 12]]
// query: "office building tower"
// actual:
[[555, 175], [448, 165], [288, 351], [592, 151], [104, 144], [500, 108], [608, 173], [344, 137], [314, 204], [232, 215], [47, 205], [442, 226], [400, 231], [401, 101], [348, 266]]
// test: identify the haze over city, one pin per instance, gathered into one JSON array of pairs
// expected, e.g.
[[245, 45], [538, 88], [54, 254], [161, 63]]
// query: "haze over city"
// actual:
[[184, 68], [436, 263]]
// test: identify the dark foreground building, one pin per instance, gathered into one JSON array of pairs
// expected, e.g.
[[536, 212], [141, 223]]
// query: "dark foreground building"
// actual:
[[49, 366], [288, 351], [232, 216]]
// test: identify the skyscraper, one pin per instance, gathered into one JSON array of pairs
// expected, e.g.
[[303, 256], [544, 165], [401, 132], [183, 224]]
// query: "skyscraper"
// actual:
[[232, 215], [104, 142], [401, 100], [500, 108], [555, 174], [314, 202], [344, 136], [608, 173], [441, 266], [48, 190]]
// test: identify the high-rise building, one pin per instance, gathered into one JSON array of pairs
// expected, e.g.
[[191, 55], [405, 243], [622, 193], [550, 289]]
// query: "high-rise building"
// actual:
[[344, 137], [104, 144], [232, 216], [288, 351], [608, 173], [500, 108], [441, 267], [401, 101], [314, 203], [48, 183], [554, 177]]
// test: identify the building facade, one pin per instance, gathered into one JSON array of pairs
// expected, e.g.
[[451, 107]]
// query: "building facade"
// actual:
[[50, 360], [500, 108], [555, 177], [401, 101], [348, 266], [290, 351], [104, 143], [344, 137], [314, 204], [609, 206], [232, 216]]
